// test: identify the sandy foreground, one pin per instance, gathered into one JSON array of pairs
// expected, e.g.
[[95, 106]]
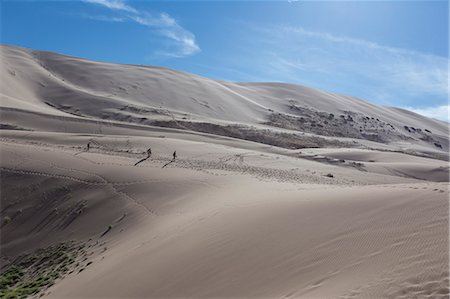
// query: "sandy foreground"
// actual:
[[229, 218], [270, 226]]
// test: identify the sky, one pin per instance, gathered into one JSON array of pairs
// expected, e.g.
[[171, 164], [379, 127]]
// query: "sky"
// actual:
[[392, 53]]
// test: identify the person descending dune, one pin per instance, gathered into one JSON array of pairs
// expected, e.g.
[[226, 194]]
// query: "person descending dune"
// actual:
[[149, 154], [174, 157]]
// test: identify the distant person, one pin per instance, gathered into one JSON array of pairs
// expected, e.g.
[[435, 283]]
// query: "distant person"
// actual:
[[174, 155], [149, 152], [88, 146]]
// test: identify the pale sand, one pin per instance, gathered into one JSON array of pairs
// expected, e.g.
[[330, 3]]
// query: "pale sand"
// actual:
[[229, 218]]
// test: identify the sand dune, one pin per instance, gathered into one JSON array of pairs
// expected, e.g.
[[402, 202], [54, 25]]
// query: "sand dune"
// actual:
[[269, 195], [315, 245], [52, 83]]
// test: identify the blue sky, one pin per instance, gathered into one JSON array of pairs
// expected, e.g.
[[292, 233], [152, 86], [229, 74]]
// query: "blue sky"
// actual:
[[392, 53]]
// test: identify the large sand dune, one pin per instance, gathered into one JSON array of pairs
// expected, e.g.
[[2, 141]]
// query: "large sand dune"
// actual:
[[278, 190]]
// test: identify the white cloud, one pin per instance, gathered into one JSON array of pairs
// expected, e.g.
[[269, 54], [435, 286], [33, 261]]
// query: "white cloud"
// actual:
[[438, 112], [168, 27], [422, 73], [183, 41], [384, 74], [113, 4]]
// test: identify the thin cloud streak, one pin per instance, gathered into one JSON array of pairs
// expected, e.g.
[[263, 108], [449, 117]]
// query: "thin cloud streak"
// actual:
[[183, 41], [351, 66], [113, 4]]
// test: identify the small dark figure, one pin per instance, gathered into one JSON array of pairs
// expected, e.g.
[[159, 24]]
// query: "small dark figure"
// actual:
[[174, 155], [173, 159], [88, 146], [149, 154]]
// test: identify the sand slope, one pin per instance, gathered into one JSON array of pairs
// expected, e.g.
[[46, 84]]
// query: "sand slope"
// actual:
[[314, 244], [203, 229], [248, 209], [51, 83]]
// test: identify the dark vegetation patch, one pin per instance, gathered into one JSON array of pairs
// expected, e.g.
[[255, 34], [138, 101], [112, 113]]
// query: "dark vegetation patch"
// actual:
[[34, 272], [347, 124], [424, 135]]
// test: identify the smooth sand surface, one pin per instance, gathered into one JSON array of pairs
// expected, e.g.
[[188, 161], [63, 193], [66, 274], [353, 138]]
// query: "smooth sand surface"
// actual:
[[234, 216], [315, 243]]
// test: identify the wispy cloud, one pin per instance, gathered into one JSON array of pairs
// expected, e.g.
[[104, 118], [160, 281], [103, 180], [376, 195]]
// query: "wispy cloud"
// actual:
[[168, 27], [113, 4], [383, 74], [439, 112], [183, 41]]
